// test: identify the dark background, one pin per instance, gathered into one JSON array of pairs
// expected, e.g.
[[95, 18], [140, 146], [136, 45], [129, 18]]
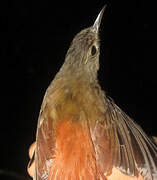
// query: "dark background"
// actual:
[[35, 36]]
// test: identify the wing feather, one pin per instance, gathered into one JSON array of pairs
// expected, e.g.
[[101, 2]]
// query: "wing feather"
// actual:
[[138, 154]]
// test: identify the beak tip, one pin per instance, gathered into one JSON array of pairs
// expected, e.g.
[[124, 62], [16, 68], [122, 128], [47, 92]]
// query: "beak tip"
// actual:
[[97, 22]]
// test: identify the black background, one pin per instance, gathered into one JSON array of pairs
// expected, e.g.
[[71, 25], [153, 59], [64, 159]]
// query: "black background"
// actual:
[[35, 36]]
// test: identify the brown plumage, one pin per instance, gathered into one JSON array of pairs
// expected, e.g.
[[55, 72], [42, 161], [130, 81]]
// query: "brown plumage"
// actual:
[[82, 134]]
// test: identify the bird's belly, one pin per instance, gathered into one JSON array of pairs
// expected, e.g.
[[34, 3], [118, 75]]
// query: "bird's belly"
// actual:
[[75, 156]]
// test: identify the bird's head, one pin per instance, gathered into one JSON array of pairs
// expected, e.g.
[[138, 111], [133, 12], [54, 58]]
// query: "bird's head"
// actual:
[[82, 58]]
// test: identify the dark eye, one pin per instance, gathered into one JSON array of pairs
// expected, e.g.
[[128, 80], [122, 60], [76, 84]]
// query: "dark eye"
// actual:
[[93, 50]]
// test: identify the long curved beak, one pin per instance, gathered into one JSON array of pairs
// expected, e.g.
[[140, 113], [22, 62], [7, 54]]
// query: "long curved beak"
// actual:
[[97, 22]]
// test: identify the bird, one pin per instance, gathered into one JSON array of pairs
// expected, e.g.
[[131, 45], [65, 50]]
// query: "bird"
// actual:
[[81, 133]]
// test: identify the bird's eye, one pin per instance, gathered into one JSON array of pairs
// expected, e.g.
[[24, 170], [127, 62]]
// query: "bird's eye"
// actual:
[[93, 50]]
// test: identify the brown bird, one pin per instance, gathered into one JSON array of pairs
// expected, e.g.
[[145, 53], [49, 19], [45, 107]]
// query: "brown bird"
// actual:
[[82, 134]]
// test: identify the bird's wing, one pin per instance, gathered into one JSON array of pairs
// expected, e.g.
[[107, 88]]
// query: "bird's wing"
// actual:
[[45, 147], [126, 146]]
